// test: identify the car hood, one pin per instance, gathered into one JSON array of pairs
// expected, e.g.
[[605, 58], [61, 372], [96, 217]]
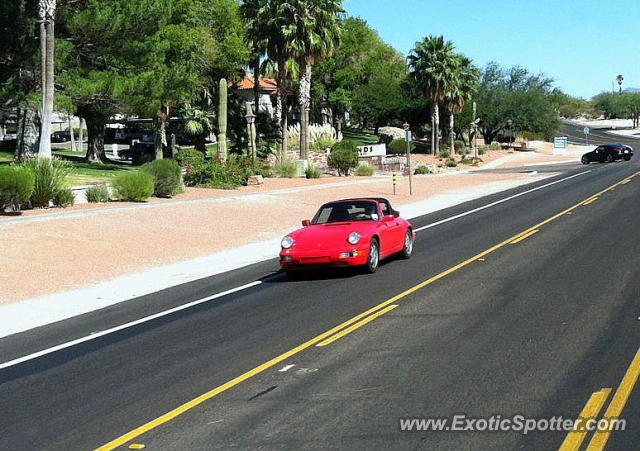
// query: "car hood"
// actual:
[[327, 236]]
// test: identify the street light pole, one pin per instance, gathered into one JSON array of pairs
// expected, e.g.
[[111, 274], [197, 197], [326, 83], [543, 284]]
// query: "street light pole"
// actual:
[[510, 124], [407, 133]]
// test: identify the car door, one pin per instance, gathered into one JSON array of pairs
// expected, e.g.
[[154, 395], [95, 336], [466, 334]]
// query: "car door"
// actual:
[[392, 231]]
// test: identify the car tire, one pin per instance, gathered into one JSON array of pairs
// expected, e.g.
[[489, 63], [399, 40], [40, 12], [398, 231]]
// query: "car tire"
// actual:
[[627, 158], [585, 159], [408, 245], [373, 260], [609, 158]]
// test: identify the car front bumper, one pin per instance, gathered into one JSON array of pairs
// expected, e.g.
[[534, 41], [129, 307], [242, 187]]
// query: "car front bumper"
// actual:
[[299, 259]]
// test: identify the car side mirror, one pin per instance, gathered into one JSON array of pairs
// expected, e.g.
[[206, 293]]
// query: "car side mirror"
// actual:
[[306, 223], [389, 218]]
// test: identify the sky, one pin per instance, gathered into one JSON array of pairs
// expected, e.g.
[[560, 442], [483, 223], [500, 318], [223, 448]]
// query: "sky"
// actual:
[[582, 44]]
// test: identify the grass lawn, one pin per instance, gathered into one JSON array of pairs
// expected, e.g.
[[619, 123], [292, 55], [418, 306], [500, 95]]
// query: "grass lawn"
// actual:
[[85, 173], [360, 137], [6, 157], [81, 173]]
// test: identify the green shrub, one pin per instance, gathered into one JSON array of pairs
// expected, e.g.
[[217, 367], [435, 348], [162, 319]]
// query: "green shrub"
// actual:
[[344, 157], [495, 146], [287, 169], [168, 177], [313, 172], [451, 163], [64, 198], [50, 177], [444, 154], [420, 147], [365, 170], [467, 161], [399, 146], [422, 170], [458, 145], [16, 187], [134, 186], [189, 158], [219, 174], [482, 150], [97, 194], [322, 144]]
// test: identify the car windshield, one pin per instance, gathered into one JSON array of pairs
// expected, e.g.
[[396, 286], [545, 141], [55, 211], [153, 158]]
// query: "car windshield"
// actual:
[[347, 212]]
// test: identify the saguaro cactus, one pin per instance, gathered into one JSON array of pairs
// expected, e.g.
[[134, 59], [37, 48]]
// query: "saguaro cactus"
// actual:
[[222, 120]]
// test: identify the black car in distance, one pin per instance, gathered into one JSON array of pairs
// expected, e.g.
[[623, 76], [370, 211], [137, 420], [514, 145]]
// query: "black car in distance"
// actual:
[[608, 153]]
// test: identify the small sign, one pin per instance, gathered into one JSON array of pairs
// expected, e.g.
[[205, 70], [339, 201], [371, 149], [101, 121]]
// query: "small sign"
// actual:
[[587, 130], [374, 150], [560, 145]]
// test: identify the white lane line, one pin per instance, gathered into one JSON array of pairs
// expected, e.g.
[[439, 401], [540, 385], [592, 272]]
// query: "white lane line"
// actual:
[[102, 333], [285, 369], [498, 202]]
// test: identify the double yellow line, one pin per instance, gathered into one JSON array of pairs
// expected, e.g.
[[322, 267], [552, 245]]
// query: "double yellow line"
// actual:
[[594, 406], [337, 332]]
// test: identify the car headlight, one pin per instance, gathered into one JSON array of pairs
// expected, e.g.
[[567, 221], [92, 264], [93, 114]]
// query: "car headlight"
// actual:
[[354, 238], [287, 242]]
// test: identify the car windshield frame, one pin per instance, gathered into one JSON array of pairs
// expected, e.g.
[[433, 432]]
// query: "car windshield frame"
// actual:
[[327, 215]]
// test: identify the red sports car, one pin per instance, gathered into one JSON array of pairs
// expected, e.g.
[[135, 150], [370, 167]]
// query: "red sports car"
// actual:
[[351, 232]]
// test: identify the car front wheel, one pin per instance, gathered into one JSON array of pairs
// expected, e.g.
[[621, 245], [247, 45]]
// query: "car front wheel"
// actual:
[[627, 158], [585, 160], [408, 245], [374, 257]]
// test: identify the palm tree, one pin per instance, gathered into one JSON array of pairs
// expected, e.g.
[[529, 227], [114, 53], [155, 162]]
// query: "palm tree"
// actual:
[[433, 63], [47, 10], [463, 84], [267, 26], [313, 31]]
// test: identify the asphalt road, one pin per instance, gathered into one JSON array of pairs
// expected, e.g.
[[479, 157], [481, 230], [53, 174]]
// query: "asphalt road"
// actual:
[[531, 328], [575, 133]]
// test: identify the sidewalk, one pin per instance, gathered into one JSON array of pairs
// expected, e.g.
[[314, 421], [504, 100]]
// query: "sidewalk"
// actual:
[[63, 264]]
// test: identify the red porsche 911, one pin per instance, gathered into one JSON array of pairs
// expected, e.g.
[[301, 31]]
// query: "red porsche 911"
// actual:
[[351, 232]]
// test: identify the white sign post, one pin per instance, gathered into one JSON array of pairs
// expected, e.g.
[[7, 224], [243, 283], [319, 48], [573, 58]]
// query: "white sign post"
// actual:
[[587, 130], [373, 150]]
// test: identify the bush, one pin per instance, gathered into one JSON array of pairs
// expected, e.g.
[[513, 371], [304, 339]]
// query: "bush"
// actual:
[[494, 146], [168, 177], [422, 170], [444, 154], [482, 150], [286, 169], [399, 146], [134, 186], [50, 177], [451, 163], [458, 145], [467, 161], [189, 158], [64, 198], [365, 170], [322, 144], [97, 194], [219, 174], [313, 172], [16, 187], [344, 157]]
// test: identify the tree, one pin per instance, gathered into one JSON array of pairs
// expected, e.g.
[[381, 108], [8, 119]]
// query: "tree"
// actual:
[[462, 87], [47, 10], [311, 27], [515, 94], [433, 63], [346, 81], [19, 70]]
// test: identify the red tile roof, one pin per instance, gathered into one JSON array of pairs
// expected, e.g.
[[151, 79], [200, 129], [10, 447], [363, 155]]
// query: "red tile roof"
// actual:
[[267, 84]]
